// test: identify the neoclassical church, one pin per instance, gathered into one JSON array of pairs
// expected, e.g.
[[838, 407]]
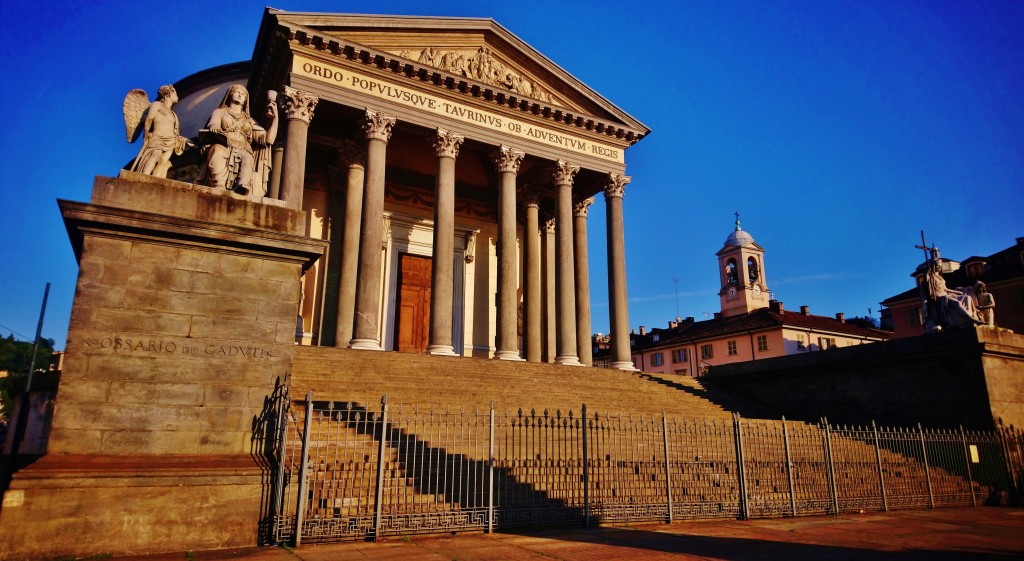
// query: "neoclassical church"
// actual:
[[450, 166]]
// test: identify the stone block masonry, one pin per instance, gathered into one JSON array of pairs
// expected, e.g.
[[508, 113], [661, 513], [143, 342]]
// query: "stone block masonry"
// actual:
[[182, 324]]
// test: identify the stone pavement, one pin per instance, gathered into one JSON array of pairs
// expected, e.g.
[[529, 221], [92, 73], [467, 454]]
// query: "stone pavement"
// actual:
[[950, 534]]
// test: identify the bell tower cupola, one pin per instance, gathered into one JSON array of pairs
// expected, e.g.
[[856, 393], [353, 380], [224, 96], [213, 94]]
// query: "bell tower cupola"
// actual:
[[741, 268]]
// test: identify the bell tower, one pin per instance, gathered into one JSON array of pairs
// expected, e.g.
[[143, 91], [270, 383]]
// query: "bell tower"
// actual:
[[741, 269]]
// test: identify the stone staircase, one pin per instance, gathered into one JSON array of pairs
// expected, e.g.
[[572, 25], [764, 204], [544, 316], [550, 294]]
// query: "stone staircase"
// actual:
[[705, 483], [364, 376]]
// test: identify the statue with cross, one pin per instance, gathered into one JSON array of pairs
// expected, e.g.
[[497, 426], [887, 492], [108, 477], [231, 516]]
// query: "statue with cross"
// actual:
[[944, 307]]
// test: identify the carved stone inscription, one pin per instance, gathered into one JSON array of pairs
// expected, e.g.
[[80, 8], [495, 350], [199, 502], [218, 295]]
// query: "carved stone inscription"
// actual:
[[353, 81], [143, 345]]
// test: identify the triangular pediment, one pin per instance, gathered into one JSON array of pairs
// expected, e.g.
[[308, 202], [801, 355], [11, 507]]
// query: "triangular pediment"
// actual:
[[478, 50]]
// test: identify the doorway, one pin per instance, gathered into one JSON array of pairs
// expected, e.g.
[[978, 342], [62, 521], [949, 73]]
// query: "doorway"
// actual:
[[412, 311]]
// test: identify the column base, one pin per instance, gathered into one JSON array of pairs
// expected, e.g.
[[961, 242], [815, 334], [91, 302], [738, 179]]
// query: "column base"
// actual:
[[508, 355], [624, 365], [568, 360], [365, 345], [441, 350]]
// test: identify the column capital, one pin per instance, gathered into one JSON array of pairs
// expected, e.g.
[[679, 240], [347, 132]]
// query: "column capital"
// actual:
[[378, 124], [507, 159], [446, 144], [529, 196], [298, 105], [563, 172], [351, 154], [581, 208], [616, 185], [549, 226]]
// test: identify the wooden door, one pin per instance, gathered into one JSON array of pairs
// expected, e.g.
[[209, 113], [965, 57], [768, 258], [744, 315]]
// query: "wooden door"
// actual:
[[412, 321]]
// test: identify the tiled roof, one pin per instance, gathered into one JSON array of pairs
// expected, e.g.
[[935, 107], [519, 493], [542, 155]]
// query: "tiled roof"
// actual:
[[756, 320]]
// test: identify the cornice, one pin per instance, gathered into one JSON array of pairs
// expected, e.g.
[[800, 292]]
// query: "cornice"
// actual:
[[298, 36]]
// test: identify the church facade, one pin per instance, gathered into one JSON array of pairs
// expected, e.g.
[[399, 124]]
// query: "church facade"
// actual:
[[451, 167]]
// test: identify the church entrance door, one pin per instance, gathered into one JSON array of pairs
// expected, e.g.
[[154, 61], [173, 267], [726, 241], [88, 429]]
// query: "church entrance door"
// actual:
[[412, 324]]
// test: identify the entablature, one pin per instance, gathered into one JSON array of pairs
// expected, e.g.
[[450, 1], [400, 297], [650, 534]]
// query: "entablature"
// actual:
[[271, 63]]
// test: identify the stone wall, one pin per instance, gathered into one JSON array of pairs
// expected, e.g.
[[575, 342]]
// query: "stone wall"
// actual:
[[181, 330], [969, 377]]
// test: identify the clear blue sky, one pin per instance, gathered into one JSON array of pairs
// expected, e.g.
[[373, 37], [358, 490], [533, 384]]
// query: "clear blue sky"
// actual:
[[837, 129]]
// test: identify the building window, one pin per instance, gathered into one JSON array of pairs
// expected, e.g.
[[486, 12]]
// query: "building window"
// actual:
[[801, 342], [706, 352], [762, 343], [656, 337], [914, 316], [826, 343], [679, 355], [657, 359], [732, 348]]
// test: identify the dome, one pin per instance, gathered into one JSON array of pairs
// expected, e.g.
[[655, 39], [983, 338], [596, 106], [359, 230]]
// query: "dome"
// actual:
[[738, 236]]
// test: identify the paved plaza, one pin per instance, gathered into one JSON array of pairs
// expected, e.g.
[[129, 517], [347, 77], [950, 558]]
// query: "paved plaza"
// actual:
[[951, 534]]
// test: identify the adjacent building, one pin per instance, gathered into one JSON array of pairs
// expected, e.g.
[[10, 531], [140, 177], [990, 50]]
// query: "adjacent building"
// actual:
[[1003, 275], [750, 326]]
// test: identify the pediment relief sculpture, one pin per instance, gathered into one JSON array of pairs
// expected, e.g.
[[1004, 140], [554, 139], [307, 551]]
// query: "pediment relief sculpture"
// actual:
[[482, 66]]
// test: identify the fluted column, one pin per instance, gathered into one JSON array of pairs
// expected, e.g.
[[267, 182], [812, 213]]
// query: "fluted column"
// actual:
[[584, 338], [366, 333], [352, 156], [442, 282], [565, 277], [618, 305], [531, 235], [507, 160], [298, 108]]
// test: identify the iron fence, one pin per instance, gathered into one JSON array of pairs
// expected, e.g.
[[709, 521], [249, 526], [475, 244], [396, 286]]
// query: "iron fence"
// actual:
[[346, 471]]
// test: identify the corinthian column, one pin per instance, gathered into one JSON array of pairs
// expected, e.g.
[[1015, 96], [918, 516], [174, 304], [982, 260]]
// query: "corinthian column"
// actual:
[[584, 339], [298, 108], [565, 278], [531, 236], [366, 335], [618, 305], [442, 282], [352, 156], [507, 160]]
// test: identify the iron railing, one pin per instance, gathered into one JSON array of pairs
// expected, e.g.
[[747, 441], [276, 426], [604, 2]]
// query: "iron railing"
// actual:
[[347, 472]]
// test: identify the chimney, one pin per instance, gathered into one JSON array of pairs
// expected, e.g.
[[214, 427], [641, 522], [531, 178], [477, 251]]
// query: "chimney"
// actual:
[[841, 317], [689, 319], [673, 324], [805, 310], [643, 330], [632, 331], [776, 306], [718, 315]]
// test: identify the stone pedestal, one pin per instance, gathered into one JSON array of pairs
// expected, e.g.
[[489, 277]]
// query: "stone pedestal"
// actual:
[[181, 330]]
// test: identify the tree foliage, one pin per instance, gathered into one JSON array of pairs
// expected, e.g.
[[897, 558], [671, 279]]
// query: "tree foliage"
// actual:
[[867, 322], [14, 359]]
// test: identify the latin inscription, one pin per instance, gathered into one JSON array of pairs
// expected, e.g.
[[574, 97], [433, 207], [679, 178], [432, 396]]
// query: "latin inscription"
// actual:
[[357, 82], [143, 346]]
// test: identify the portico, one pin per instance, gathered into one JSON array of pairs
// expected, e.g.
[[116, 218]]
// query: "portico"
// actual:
[[435, 152]]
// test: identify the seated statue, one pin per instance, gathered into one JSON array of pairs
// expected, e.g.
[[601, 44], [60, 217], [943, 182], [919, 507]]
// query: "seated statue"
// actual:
[[159, 129], [237, 157], [950, 307]]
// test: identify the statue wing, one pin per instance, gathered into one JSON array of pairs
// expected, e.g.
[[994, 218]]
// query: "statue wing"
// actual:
[[135, 104]]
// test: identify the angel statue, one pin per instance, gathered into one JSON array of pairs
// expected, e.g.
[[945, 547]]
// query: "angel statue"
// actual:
[[237, 147], [159, 125]]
